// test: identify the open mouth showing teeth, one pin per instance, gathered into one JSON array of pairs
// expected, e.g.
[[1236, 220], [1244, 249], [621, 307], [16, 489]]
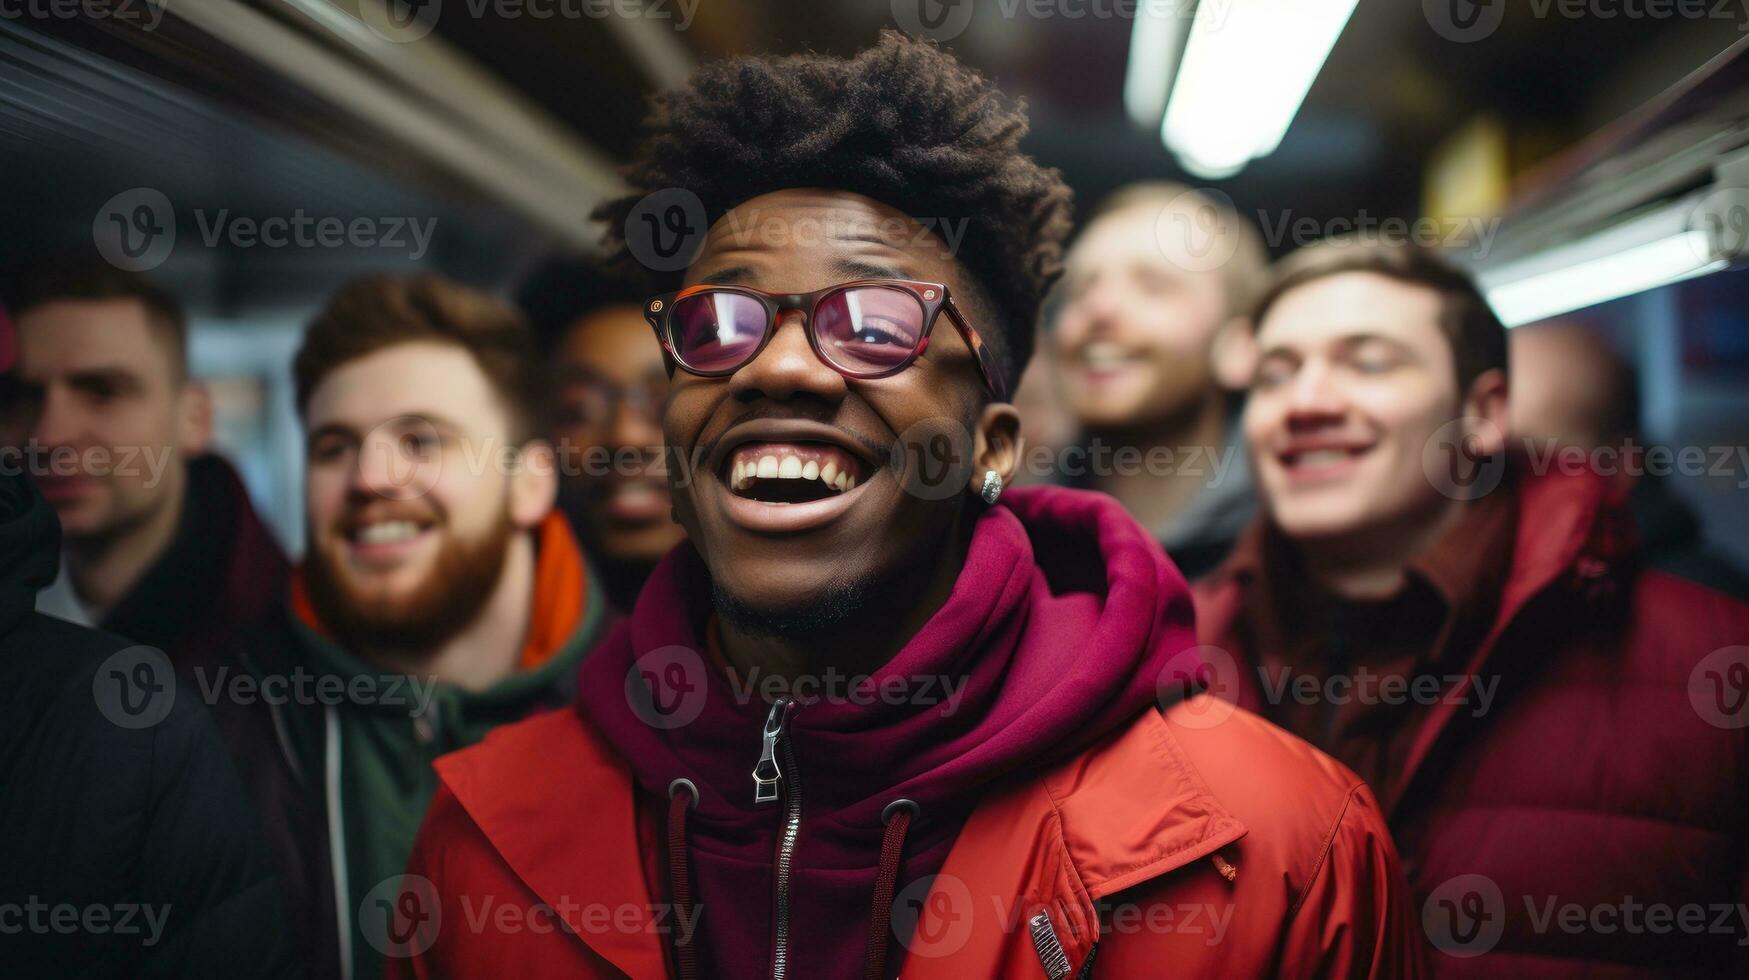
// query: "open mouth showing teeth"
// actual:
[[791, 473], [385, 532], [1319, 457]]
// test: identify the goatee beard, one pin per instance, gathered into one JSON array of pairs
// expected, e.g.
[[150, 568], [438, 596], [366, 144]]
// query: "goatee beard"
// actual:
[[452, 594]]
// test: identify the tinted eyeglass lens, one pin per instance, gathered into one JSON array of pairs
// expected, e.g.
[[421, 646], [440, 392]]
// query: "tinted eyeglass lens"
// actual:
[[717, 330], [869, 328]]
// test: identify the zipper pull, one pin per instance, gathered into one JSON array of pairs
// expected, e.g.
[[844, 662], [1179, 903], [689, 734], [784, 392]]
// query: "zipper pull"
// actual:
[[766, 775]]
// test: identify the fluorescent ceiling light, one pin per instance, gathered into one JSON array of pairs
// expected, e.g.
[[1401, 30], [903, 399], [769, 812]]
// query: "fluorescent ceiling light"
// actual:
[[1681, 256], [1247, 67], [1156, 41]]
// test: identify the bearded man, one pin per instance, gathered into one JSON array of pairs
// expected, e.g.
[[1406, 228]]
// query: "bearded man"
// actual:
[[441, 595]]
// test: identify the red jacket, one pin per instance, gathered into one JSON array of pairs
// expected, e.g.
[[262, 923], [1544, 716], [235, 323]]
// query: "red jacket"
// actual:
[[1566, 827], [1057, 810], [1138, 833]]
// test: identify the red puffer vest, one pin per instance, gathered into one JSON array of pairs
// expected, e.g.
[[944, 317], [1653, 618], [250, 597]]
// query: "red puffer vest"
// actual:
[[1588, 817]]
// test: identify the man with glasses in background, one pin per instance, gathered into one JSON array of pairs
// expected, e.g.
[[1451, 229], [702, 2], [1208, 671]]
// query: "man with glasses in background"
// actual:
[[609, 382]]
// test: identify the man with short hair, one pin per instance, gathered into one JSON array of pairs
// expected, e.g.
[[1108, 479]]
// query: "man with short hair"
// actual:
[[440, 595], [877, 713], [1150, 340], [1548, 724], [161, 543], [609, 386]]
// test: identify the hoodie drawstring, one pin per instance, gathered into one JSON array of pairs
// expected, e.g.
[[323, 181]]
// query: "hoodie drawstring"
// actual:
[[679, 880], [897, 817]]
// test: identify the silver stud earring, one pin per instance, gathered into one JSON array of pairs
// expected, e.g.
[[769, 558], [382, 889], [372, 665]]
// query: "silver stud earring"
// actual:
[[992, 487]]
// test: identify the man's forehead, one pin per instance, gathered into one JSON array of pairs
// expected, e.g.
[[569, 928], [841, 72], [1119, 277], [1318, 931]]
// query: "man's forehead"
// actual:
[[414, 379], [1352, 304], [839, 221], [87, 337]]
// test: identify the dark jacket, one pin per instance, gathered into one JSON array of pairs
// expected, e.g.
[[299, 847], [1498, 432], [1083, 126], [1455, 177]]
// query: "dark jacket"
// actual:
[[127, 846], [223, 569], [1579, 787]]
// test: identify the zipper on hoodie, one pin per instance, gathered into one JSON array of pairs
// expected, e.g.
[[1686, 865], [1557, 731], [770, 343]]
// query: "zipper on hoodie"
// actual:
[[768, 778]]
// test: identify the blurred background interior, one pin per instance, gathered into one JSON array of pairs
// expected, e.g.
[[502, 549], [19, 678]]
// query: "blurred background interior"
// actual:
[[1611, 150]]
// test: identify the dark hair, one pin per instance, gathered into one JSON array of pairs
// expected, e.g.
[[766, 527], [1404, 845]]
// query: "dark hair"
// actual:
[[368, 315], [1477, 337], [99, 281], [566, 289], [902, 123]]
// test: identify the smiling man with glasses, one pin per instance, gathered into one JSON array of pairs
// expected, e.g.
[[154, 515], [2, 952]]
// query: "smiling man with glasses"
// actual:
[[876, 714]]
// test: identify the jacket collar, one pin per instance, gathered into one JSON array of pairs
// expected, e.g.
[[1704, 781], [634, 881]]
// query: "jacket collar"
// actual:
[[1568, 528], [1040, 845]]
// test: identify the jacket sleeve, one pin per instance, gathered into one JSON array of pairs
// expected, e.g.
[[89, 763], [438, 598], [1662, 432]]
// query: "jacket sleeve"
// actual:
[[1356, 919], [205, 862]]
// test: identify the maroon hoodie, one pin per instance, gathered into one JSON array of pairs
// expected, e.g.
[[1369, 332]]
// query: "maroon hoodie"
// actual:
[[1066, 622]]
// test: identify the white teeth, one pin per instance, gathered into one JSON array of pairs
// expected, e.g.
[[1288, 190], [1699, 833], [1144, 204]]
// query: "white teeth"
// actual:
[[744, 471], [1321, 457], [387, 532], [1103, 354]]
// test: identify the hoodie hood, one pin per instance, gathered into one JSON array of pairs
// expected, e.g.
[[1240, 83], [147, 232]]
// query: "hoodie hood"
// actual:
[[30, 548], [1066, 622]]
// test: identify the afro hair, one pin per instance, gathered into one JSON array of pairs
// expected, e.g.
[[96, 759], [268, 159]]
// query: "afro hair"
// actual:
[[568, 288], [901, 122]]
